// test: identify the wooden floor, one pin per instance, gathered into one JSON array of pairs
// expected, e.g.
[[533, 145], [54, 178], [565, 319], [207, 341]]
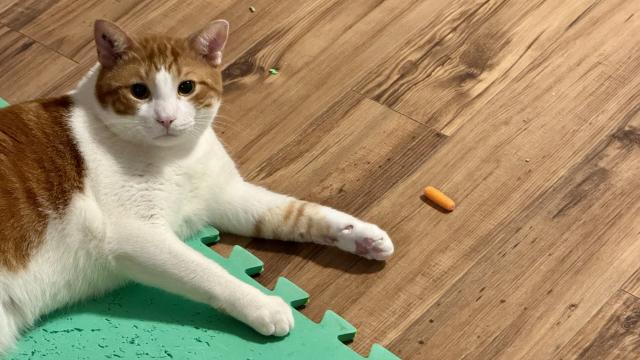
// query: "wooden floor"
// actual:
[[527, 112]]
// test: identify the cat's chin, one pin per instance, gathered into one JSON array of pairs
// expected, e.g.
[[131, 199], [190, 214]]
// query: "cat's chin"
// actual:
[[169, 140]]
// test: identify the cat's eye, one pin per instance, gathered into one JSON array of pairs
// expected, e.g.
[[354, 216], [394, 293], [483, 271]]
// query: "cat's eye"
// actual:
[[140, 91], [186, 87]]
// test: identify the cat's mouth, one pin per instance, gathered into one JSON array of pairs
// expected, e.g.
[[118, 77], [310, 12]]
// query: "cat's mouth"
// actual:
[[167, 137], [169, 133]]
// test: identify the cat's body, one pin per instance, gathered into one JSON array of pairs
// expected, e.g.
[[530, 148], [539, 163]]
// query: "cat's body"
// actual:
[[99, 189]]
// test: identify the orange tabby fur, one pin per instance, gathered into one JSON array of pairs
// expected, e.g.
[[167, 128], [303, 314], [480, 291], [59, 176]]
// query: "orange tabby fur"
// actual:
[[40, 168]]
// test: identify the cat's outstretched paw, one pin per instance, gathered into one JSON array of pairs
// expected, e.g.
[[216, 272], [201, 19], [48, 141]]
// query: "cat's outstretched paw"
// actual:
[[361, 238], [270, 316], [366, 240]]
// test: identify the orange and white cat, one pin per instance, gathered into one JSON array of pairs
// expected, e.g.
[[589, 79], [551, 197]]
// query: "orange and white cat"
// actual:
[[99, 186]]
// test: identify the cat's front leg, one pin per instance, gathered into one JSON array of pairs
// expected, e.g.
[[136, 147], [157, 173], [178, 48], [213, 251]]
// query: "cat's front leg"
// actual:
[[250, 210], [153, 255]]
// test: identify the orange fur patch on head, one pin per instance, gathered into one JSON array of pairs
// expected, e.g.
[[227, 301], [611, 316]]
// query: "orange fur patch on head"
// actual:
[[41, 168], [145, 58]]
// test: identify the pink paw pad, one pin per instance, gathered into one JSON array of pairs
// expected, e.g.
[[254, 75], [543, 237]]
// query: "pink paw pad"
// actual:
[[366, 246]]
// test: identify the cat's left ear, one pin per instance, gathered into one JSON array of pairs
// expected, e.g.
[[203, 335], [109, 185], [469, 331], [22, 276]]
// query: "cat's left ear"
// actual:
[[210, 41]]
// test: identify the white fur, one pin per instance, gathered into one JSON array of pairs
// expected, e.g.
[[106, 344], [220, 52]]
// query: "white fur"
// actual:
[[142, 193]]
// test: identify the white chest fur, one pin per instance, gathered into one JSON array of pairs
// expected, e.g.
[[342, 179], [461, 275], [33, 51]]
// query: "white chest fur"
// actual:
[[161, 186]]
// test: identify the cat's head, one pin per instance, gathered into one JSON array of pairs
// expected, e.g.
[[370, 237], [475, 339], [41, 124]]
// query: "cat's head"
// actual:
[[159, 90]]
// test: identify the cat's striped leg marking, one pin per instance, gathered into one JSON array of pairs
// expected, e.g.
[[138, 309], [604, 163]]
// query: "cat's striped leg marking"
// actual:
[[262, 213]]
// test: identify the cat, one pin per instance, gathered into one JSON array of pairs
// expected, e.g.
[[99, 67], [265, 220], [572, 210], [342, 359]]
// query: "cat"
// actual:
[[100, 185]]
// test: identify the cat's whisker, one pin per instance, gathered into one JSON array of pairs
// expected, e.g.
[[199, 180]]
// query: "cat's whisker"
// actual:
[[227, 125], [220, 116], [224, 145]]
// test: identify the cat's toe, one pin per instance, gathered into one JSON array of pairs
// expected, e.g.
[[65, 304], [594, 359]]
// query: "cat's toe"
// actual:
[[380, 248], [272, 317], [366, 240]]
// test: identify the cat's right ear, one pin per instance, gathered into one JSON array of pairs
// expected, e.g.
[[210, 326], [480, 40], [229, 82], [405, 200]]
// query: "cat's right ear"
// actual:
[[111, 42]]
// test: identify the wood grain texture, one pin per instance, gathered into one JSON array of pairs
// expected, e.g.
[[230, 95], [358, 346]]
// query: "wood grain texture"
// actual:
[[27, 68], [306, 86], [66, 25], [612, 333], [524, 112], [632, 285], [445, 73], [4, 4], [357, 148], [551, 120]]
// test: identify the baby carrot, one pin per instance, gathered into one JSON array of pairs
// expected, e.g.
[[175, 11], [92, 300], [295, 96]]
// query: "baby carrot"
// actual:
[[439, 198]]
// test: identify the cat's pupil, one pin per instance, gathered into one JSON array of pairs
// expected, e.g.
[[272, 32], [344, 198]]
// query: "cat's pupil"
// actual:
[[140, 91], [186, 87]]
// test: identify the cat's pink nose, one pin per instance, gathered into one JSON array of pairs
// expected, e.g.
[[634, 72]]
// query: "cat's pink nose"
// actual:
[[166, 121]]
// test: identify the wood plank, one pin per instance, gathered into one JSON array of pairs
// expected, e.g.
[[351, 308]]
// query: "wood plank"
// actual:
[[317, 72], [291, 43], [4, 4], [276, 22], [632, 285], [445, 76], [66, 26], [17, 14], [540, 275], [522, 297], [348, 155], [28, 69], [612, 333]]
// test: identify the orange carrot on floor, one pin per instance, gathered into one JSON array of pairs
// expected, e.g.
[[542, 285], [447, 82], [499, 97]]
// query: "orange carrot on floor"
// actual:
[[439, 198]]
